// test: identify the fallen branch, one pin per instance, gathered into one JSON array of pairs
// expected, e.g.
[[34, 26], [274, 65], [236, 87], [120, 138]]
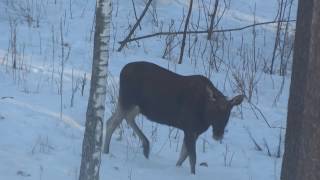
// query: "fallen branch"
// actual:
[[7, 97]]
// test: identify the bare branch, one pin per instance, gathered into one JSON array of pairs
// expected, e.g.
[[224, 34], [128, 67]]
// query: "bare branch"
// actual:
[[135, 26], [254, 107], [135, 12], [201, 32]]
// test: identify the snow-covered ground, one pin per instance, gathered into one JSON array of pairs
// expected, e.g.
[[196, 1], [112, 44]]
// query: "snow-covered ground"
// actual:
[[37, 141]]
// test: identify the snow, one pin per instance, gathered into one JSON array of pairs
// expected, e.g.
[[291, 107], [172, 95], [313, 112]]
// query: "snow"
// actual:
[[36, 143]]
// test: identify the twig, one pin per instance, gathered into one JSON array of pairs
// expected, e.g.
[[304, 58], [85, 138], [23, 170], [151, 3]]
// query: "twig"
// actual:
[[267, 146], [278, 155], [258, 147], [254, 107], [135, 12]]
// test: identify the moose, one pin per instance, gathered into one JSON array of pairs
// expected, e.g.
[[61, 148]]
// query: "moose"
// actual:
[[189, 103]]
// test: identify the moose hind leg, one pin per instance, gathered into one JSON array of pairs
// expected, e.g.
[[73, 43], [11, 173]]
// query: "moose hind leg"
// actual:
[[130, 120], [183, 154], [112, 123]]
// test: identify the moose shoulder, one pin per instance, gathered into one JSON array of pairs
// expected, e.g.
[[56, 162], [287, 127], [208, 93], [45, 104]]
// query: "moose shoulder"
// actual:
[[190, 103]]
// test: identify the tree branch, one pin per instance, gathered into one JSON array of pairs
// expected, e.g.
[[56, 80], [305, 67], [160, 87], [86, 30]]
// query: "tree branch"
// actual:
[[135, 26], [199, 32], [185, 33], [135, 12]]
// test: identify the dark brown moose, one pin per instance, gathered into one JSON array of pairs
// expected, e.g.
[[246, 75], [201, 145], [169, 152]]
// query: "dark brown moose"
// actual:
[[189, 103]]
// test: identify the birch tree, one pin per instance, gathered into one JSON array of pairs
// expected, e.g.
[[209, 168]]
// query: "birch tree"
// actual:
[[92, 141], [301, 159]]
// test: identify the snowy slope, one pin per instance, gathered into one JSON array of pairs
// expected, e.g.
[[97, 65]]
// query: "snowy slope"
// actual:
[[38, 143]]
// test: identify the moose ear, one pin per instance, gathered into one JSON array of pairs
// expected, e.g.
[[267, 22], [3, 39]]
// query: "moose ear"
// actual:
[[236, 100]]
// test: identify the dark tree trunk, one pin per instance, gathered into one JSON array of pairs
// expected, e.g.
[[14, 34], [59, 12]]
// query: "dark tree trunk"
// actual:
[[92, 141], [302, 146]]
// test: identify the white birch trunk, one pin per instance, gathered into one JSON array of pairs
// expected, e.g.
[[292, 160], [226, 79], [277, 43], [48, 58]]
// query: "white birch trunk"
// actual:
[[92, 142]]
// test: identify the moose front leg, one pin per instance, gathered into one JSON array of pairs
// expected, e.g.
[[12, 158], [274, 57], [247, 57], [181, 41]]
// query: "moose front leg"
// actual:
[[191, 148]]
